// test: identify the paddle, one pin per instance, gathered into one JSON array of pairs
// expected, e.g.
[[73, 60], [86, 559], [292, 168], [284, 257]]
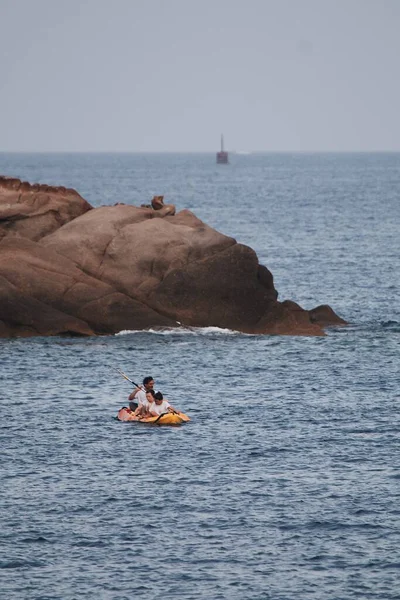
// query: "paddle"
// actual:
[[182, 416], [127, 378], [159, 417]]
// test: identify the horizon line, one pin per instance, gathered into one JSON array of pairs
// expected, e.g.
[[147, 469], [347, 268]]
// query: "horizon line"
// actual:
[[240, 152]]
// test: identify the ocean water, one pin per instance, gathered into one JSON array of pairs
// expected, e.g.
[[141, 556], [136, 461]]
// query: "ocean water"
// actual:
[[285, 484]]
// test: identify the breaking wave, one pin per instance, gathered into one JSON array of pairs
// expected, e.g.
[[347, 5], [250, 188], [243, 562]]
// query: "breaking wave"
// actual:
[[183, 331]]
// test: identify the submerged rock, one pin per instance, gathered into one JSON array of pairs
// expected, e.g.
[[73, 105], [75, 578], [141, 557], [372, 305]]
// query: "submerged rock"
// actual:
[[69, 268]]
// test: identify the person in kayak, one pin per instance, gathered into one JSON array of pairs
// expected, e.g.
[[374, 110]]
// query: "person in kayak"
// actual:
[[161, 405], [146, 409], [138, 396]]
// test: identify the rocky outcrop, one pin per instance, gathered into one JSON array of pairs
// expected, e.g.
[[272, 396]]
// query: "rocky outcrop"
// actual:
[[324, 316], [34, 211], [69, 268]]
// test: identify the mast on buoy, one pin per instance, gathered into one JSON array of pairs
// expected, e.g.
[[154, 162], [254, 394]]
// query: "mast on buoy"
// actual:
[[222, 156]]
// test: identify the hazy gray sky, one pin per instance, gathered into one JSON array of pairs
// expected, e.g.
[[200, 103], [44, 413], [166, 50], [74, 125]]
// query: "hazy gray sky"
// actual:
[[171, 75]]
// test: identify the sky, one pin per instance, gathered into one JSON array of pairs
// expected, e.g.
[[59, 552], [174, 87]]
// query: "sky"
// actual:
[[172, 75]]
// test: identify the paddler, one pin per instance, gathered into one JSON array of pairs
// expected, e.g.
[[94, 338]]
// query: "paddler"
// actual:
[[161, 405], [146, 409], [138, 396]]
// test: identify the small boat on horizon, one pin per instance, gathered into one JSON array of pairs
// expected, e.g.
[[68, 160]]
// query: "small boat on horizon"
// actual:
[[222, 155]]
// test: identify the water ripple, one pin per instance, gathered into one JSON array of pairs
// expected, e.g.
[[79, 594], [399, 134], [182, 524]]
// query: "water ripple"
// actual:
[[284, 485]]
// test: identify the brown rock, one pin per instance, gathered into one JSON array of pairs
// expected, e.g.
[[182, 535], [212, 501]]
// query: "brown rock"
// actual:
[[23, 316], [324, 316], [44, 293], [68, 268], [165, 209], [288, 318], [33, 211]]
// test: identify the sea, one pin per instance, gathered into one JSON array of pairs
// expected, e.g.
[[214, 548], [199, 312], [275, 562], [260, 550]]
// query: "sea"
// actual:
[[285, 484]]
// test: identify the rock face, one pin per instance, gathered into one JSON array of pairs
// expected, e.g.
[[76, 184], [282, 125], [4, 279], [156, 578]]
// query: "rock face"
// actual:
[[34, 211], [69, 268]]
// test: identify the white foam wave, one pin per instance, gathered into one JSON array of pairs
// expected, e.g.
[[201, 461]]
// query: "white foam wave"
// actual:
[[183, 331]]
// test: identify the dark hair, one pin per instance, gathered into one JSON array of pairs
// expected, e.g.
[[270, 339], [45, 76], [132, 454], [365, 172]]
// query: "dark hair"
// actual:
[[147, 380], [158, 396]]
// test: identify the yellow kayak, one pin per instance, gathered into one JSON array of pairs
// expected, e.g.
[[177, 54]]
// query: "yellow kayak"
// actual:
[[125, 414]]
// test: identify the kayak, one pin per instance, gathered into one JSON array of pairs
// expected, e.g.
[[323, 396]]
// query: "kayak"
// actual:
[[125, 414]]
